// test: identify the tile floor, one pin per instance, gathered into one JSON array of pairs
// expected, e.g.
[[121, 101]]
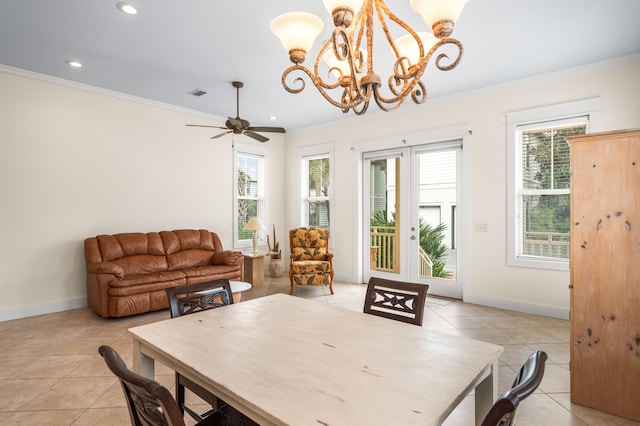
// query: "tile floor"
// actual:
[[51, 373]]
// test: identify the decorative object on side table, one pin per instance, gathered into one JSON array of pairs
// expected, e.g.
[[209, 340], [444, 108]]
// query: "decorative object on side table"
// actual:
[[276, 264]]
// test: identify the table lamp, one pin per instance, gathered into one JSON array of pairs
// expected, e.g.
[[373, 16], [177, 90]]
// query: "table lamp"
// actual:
[[255, 224]]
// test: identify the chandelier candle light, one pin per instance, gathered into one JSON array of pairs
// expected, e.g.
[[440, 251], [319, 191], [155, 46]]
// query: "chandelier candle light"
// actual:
[[255, 225], [349, 51]]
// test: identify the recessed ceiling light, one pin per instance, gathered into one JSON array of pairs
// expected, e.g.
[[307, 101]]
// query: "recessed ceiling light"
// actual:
[[273, 117], [72, 63], [127, 8]]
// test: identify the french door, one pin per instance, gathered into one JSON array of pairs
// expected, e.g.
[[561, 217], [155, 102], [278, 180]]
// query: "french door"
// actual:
[[411, 205]]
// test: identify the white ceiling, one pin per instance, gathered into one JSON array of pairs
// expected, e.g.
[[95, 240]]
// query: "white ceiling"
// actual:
[[173, 47]]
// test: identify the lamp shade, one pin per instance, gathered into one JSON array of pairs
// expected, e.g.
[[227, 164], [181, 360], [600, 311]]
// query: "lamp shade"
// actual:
[[297, 30], [433, 11], [330, 5], [254, 224], [408, 47]]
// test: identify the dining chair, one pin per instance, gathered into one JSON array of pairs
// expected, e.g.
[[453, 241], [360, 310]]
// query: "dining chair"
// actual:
[[525, 383], [189, 299], [397, 300], [310, 261], [152, 404]]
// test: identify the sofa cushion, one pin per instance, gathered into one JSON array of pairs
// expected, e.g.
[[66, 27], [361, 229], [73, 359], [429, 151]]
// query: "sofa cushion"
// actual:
[[185, 239], [141, 279], [120, 245], [133, 290], [141, 264], [189, 258], [218, 271], [137, 303]]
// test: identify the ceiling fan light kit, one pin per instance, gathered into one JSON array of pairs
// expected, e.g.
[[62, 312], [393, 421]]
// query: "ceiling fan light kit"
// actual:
[[349, 52], [238, 125]]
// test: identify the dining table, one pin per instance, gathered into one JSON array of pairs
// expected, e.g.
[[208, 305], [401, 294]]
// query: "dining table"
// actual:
[[285, 360]]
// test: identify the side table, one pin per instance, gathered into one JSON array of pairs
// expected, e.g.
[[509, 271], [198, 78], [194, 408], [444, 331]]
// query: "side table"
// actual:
[[254, 268], [236, 288]]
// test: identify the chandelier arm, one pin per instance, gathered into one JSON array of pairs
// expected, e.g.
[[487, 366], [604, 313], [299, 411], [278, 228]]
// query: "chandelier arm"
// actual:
[[317, 82], [443, 56], [416, 73], [382, 6], [419, 94], [344, 49], [387, 104]]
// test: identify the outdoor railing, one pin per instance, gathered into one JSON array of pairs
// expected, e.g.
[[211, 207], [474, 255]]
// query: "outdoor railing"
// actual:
[[425, 264], [383, 252], [384, 246], [546, 244]]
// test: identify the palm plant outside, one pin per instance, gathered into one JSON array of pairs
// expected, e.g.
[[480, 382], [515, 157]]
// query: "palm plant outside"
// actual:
[[431, 240]]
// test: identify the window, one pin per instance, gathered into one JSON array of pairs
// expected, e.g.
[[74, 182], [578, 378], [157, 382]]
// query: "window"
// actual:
[[248, 192], [317, 186], [539, 215]]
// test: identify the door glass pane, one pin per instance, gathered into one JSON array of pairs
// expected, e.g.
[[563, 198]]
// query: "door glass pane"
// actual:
[[384, 245], [437, 194]]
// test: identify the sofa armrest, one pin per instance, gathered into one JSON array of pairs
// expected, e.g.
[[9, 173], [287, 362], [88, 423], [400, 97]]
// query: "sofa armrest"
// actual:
[[106, 268], [227, 257]]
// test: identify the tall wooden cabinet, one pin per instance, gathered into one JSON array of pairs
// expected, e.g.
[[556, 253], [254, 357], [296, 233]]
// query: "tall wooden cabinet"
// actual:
[[605, 272]]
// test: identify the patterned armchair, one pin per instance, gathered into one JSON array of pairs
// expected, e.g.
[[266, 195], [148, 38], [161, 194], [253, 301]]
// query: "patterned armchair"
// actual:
[[311, 263]]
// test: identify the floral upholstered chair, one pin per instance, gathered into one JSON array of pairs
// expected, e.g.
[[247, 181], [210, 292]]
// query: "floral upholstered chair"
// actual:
[[311, 263]]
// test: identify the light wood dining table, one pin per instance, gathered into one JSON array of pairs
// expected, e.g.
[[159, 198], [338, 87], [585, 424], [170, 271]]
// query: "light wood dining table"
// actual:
[[284, 360]]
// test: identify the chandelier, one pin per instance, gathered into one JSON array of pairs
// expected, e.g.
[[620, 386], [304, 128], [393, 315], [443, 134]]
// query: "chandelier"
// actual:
[[351, 81]]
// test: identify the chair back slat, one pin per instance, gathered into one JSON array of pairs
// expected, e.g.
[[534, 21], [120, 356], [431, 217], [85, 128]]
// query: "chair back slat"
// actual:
[[397, 300], [191, 298]]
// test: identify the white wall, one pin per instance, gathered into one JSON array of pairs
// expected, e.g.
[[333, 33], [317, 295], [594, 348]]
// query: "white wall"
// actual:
[[488, 278], [77, 161]]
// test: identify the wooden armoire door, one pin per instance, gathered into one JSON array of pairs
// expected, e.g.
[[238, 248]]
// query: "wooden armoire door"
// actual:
[[605, 272]]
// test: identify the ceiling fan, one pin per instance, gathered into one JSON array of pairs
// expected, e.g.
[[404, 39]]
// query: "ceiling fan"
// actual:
[[238, 125]]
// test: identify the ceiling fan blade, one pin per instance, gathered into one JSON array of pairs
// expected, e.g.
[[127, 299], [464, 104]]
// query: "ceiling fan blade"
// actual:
[[221, 134], [255, 136], [204, 125], [268, 129]]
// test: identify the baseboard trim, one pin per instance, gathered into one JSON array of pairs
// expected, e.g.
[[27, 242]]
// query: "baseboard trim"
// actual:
[[518, 306], [25, 311]]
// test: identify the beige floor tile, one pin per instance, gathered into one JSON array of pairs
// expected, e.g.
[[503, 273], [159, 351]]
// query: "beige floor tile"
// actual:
[[10, 366], [71, 393], [540, 409], [14, 394], [556, 379], [589, 415], [104, 417], [51, 366], [515, 355], [46, 417]]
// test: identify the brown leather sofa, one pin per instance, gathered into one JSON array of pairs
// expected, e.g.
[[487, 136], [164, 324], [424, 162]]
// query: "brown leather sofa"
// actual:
[[127, 273]]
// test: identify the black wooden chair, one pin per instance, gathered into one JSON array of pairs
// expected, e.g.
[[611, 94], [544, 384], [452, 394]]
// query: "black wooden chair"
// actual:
[[189, 299], [526, 382], [401, 301], [152, 404]]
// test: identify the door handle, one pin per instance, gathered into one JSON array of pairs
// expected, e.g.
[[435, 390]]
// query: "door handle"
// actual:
[[413, 237]]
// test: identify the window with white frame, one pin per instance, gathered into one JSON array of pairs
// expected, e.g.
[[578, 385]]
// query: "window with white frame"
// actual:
[[317, 186], [539, 214], [249, 183]]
